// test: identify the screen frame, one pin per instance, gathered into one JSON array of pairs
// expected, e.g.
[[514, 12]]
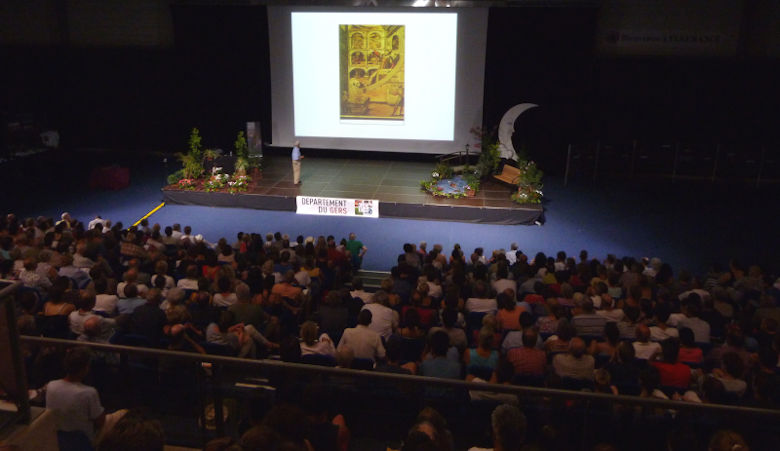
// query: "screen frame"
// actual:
[[470, 71]]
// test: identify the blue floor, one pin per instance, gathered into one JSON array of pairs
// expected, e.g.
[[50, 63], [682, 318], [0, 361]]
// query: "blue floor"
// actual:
[[686, 224]]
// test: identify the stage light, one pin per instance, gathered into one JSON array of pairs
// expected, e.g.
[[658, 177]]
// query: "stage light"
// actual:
[[422, 3]]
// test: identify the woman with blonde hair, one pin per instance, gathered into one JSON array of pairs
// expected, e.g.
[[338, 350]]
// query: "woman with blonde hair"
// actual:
[[312, 344]]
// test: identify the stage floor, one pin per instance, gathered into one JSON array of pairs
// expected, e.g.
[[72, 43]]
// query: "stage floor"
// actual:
[[395, 184]]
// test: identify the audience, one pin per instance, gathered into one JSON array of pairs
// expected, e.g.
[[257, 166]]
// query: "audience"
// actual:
[[622, 311]]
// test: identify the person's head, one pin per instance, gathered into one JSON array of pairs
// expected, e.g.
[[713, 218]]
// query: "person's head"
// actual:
[[86, 301], [505, 302], [565, 331], [412, 319], [649, 379], [77, 362], [733, 364], [626, 352], [226, 319], [131, 290], [440, 343], [224, 284], [485, 338], [687, 338], [449, 317], [154, 296], [530, 337], [727, 440], [642, 333], [309, 330], [509, 427], [364, 317], [577, 347], [670, 349], [382, 298], [612, 333], [134, 431], [587, 305], [393, 347], [243, 293]]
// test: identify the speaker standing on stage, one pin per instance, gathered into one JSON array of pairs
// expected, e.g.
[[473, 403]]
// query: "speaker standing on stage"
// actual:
[[296, 162]]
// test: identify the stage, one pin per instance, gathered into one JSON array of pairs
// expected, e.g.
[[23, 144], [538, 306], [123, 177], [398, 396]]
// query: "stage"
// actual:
[[395, 184]]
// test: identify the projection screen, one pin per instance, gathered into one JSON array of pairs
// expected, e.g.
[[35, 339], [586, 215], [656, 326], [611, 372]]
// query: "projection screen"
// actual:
[[400, 80]]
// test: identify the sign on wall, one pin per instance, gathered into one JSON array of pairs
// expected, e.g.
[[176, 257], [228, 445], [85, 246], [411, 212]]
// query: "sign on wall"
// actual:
[[330, 206]]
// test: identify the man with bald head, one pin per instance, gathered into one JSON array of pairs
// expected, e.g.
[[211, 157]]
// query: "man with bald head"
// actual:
[[575, 364], [643, 347]]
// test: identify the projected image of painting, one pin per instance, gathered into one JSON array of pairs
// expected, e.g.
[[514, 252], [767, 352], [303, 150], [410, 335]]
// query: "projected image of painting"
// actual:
[[372, 71]]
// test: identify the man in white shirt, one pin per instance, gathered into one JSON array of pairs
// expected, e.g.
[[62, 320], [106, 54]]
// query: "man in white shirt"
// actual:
[[76, 406], [96, 221], [176, 233], [643, 347], [480, 302], [364, 342], [384, 320]]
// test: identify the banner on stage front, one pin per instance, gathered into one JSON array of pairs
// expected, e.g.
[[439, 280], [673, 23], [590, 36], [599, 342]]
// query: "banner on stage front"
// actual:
[[331, 206]]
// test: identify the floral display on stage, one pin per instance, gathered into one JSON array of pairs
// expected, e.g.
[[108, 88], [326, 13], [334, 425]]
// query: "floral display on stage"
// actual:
[[199, 161], [464, 180]]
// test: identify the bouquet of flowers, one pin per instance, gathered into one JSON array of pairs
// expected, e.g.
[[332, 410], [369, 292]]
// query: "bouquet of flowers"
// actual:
[[217, 180], [188, 184], [238, 183]]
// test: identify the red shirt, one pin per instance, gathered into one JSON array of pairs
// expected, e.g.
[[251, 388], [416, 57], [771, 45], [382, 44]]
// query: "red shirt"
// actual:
[[527, 361], [690, 355], [674, 374]]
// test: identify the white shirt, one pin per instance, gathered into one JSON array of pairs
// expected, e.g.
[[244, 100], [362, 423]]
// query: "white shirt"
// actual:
[[187, 284], [502, 284], [95, 222], [106, 303], [646, 350], [364, 296], [364, 342], [75, 405], [383, 319], [658, 334], [481, 305], [221, 300]]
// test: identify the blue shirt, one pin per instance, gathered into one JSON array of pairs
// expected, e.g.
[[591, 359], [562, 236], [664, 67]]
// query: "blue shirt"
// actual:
[[128, 305], [296, 153], [440, 367]]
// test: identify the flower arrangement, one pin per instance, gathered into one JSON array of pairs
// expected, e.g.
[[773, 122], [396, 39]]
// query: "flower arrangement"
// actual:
[[217, 181], [238, 183], [529, 184], [188, 184]]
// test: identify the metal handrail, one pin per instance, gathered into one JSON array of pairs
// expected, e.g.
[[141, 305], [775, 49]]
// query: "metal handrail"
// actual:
[[401, 378]]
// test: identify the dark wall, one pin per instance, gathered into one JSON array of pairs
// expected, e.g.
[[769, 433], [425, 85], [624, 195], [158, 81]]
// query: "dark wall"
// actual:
[[217, 76]]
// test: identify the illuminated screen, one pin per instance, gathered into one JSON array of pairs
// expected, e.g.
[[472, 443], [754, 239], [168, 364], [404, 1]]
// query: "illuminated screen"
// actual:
[[393, 81]]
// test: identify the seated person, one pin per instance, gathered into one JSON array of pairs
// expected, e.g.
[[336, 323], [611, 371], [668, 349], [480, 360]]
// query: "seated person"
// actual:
[[528, 360], [672, 372], [439, 365], [364, 342], [312, 344], [77, 406], [575, 364], [483, 355]]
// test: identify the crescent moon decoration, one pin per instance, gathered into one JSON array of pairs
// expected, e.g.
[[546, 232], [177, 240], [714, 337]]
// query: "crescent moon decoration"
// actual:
[[506, 129]]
